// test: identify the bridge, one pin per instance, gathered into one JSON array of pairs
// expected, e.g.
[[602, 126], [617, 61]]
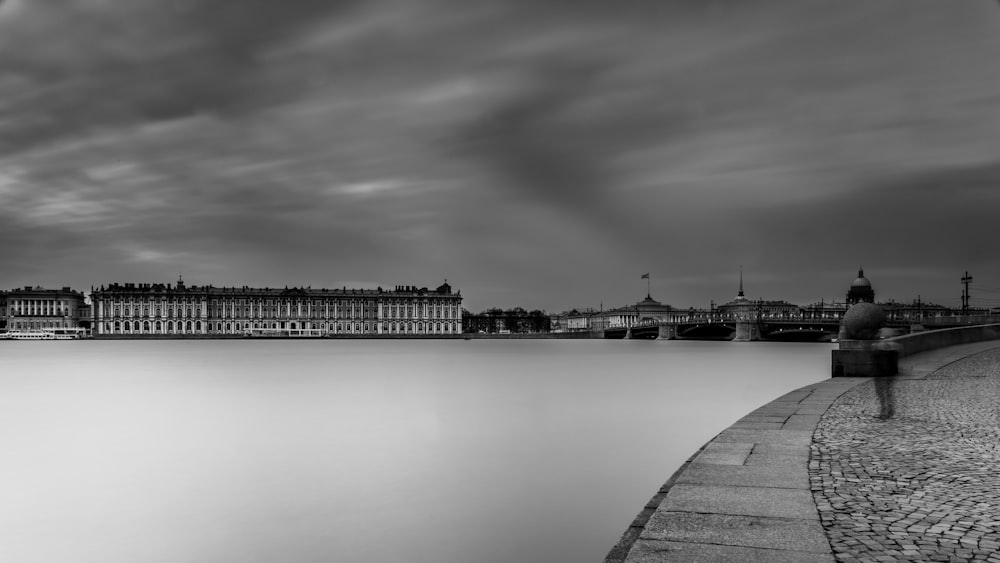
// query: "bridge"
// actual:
[[804, 327]]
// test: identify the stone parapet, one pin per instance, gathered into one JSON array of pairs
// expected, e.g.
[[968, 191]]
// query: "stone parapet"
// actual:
[[878, 358], [932, 339]]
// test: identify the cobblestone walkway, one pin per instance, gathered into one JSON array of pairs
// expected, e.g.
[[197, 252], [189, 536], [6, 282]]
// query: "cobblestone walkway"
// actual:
[[908, 469]]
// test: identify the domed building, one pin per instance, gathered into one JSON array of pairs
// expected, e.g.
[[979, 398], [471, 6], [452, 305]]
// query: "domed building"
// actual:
[[861, 290]]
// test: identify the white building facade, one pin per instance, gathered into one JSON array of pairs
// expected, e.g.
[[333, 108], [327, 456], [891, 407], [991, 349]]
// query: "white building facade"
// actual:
[[36, 308], [179, 310]]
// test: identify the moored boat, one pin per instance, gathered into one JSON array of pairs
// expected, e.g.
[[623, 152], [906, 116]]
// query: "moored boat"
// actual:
[[44, 334], [29, 335]]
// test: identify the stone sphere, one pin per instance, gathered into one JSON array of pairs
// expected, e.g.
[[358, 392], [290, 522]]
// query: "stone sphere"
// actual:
[[863, 321]]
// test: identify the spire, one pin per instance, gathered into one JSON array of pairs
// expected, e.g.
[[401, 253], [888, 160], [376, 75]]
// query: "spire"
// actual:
[[861, 272], [740, 294]]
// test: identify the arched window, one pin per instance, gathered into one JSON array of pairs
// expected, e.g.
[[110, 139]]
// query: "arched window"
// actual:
[[197, 326], [135, 326], [188, 327], [159, 327], [145, 326], [118, 326]]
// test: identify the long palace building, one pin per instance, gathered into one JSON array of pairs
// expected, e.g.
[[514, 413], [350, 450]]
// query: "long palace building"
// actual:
[[147, 309]]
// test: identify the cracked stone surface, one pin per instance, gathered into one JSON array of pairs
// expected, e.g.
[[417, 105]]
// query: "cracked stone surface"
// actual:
[[908, 469]]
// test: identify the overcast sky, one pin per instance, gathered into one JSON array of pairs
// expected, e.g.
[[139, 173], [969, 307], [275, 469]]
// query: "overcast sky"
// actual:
[[536, 153]]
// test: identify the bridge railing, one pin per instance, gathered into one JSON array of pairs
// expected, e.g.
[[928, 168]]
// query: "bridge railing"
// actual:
[[764, 317]]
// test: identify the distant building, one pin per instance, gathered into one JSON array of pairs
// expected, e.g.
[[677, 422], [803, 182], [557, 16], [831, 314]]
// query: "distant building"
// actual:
[[742, 308], [861, 290], [34, 308], [825, 310], [647, 311], [572, 321], [915, 311], [508, 321], [165, 309]]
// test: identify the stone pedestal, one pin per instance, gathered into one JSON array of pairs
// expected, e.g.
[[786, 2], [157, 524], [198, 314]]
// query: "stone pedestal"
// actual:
[[861, 353], [864, 360]]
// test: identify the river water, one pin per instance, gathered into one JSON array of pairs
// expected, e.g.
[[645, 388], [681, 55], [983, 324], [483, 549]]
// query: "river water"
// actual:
[[475, 451]]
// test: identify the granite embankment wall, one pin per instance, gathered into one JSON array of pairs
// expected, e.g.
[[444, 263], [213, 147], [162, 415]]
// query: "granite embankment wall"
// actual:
[[933, 339], [746, 494]]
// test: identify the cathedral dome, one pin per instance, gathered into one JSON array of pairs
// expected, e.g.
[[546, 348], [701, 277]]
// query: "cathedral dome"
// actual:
[[861, 281], [861, 290]]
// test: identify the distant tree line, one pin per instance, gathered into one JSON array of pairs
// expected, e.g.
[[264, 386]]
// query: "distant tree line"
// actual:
[[502, 321]]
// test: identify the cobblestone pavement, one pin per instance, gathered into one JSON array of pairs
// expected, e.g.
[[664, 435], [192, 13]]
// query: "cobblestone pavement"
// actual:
[[908, 469]]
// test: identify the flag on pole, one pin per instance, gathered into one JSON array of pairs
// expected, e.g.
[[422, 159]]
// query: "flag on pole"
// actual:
[[644, 277]]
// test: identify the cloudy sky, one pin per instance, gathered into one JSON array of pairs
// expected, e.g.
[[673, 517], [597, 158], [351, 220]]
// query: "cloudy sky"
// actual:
[[535, 153]]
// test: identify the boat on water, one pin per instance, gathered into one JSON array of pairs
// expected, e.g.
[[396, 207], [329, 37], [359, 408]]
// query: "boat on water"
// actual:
[[43, 334], [28, 335], [284, 333]]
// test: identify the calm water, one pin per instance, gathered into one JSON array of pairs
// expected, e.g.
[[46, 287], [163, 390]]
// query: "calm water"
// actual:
[[302, 451]]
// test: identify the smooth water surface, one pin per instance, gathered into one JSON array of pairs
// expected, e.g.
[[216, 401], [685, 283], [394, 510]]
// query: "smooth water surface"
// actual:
[[326, 451]]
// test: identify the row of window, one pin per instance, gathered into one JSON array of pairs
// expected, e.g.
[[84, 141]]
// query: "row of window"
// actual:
[[250, 313], [195, 327], [44, 313], [38, 324]]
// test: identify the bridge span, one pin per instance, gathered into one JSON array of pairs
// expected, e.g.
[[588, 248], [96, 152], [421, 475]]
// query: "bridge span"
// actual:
[[781, 328]]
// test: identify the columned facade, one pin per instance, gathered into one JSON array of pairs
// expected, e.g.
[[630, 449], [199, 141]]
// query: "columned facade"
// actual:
[[35, 308], [165, 309]]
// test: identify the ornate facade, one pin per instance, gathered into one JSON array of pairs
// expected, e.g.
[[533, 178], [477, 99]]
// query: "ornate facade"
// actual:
[[182, 310], [34, 308]]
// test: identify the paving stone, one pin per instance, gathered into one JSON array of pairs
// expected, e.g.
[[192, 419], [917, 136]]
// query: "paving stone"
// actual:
[[778, 437], [745, 531], [720, 458], [802, 422], [746, 501], [764, 418], [768, 460], [656, 551], [780, 449], [789, 475], [758, 425]]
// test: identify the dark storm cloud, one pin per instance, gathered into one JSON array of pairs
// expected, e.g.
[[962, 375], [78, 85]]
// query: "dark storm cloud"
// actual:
[[94, 64], [530, 141]]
